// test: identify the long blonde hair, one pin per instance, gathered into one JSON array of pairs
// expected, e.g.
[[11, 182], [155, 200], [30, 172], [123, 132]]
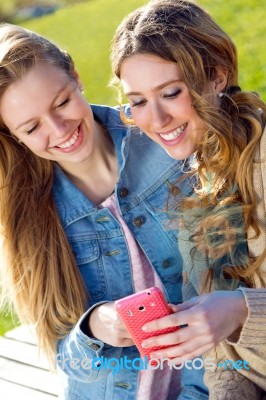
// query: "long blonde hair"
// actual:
[[182, 32], [41, 277]]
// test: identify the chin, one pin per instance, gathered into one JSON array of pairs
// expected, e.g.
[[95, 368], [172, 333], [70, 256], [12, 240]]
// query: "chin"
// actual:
[[176, 155]]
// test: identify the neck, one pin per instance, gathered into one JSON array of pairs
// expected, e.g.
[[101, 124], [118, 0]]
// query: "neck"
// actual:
[[96, 177]]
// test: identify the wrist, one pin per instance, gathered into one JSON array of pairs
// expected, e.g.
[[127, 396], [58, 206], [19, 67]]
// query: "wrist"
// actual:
[[90, 320], [241, 307], [241, 312]]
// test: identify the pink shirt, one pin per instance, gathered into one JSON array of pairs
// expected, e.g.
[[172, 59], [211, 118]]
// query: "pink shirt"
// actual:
[[159, 384]]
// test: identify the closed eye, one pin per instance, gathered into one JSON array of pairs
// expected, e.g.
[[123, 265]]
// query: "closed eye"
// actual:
[[65, 102], [31, 130], [138, 103], [172, 95]]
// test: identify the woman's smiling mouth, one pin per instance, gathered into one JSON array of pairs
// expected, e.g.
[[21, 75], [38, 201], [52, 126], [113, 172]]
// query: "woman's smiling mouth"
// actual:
[[70, 141], [174, 134]]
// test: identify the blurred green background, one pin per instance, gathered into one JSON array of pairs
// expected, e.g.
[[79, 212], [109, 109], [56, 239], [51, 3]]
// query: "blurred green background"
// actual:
[[85, 29]]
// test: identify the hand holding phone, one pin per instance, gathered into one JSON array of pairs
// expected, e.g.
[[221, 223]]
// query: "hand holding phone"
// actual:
[[137, 309]]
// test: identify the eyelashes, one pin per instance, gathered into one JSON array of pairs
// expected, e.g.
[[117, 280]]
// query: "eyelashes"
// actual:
[[174, 94], [65, 102], [138, 103], [168, 95], [31, 130]]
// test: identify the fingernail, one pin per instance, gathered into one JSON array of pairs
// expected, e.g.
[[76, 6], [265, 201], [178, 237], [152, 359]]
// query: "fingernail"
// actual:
[[145, 328], [144, 344]]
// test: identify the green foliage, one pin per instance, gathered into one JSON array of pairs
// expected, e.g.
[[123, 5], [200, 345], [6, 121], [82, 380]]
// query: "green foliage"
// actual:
[[7, 322], [7, 7]]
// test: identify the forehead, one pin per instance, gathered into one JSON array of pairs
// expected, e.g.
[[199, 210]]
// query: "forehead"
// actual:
[[28, 97], [44, 78], [144, 71]]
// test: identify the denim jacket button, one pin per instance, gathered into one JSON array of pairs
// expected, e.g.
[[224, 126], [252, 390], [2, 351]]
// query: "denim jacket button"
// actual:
[[123, 192], [166, 263], [94, 346], [138, 221], [123, 385]]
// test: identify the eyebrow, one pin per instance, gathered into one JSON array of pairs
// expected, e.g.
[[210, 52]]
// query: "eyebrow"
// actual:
[[159, 87], [54, 99]]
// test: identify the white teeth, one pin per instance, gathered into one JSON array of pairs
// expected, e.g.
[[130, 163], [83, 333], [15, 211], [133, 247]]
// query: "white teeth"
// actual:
[[71, 141], [174, 134]]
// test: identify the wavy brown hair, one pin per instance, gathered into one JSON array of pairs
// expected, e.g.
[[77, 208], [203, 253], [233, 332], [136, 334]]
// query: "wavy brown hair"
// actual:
[[184, 33], [41, 277]]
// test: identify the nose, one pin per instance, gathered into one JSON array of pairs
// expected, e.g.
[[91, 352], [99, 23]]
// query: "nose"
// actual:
[[160, 117], [57, 126]]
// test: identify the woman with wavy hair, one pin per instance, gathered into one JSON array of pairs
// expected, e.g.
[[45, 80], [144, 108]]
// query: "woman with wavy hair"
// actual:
[[79, 195], [179, 71]]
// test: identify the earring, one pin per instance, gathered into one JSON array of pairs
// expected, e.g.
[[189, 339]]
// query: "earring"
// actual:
[[221, 94]]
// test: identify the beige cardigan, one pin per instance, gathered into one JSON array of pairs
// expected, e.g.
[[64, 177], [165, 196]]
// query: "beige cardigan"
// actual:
[[250, 344]]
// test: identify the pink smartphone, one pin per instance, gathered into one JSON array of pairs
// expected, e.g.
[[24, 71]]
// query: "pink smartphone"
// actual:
[[137, 309]]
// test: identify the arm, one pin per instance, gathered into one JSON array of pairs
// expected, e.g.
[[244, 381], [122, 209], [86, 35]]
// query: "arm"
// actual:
[[98, 333]]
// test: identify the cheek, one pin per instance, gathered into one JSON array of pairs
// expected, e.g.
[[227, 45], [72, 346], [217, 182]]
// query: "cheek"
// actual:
[[36, 145], [82, 106], [185, 103], [75, 112], [140, 118], [77, 109]]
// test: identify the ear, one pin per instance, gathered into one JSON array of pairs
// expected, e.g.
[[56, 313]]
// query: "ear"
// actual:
[[220, 81]]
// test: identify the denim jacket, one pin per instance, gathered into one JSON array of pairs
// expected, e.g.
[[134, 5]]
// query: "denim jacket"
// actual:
[[146, 173]]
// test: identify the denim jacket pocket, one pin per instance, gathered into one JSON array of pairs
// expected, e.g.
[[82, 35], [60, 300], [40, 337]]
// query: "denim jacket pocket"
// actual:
[[87, 255]]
